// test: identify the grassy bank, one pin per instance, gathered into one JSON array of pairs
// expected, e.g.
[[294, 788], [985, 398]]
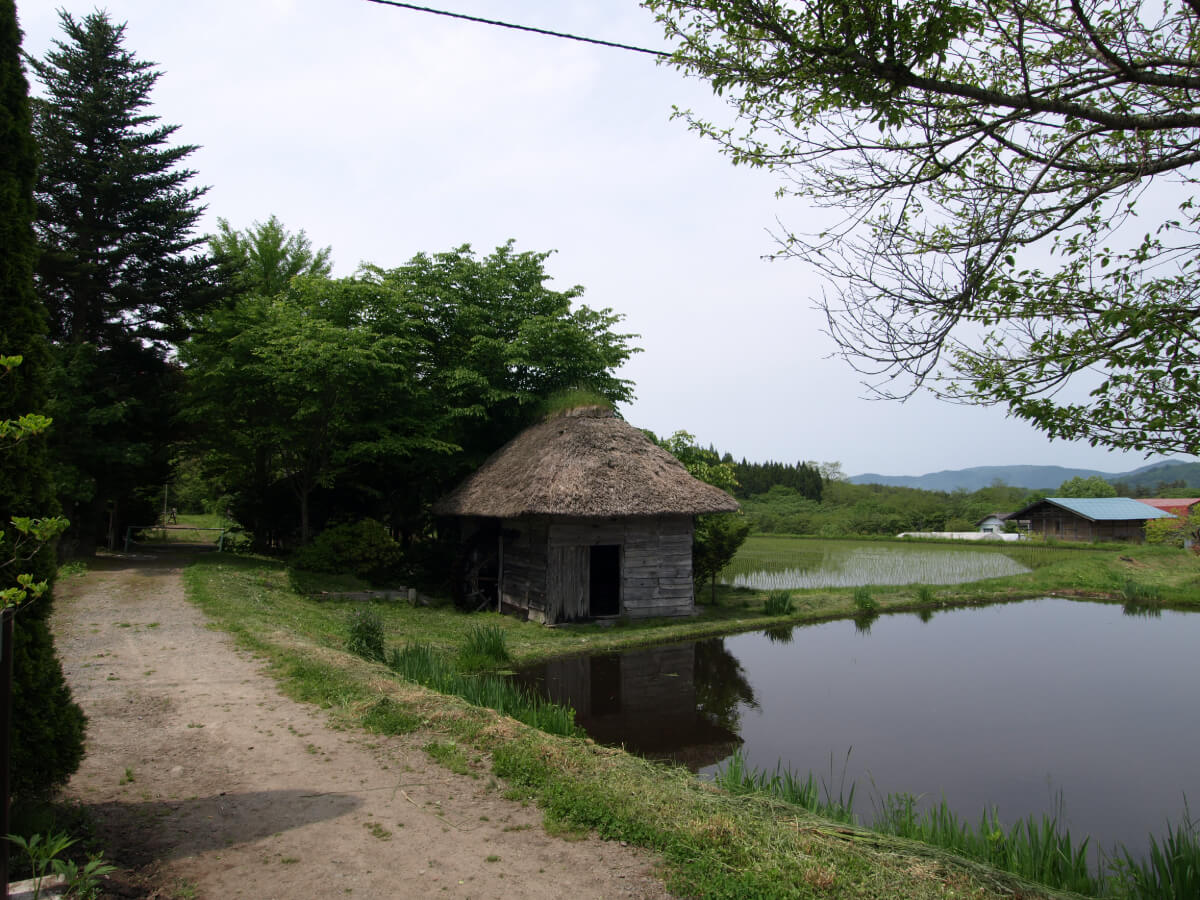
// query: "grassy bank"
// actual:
[[714, 843]]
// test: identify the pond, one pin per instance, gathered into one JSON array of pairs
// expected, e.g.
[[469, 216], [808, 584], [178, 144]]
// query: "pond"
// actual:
[[1014, 706], [787, 564]]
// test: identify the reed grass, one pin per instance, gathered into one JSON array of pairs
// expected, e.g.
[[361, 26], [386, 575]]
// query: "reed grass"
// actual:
[[1140, 593], [1037, 849], [1170, 872], [485, 647], [421, 663], [364, 634], [779, 603], [739, 778]]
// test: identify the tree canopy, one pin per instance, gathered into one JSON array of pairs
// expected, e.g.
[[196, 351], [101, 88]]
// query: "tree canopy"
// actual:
[[371, 396], [1011, 188]]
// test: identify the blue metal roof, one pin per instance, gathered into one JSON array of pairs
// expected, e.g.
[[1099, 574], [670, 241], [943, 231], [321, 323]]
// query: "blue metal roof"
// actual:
[[1103, 509]]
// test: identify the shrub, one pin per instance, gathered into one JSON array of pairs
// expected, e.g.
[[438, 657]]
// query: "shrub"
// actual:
[[364, 549], [365, 634]]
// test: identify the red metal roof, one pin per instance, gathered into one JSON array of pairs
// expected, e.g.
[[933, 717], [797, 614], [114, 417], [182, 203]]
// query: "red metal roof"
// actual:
[[1176, 506]]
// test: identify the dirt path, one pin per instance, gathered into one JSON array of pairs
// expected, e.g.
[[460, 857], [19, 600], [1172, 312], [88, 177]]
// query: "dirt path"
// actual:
[[206, 782]]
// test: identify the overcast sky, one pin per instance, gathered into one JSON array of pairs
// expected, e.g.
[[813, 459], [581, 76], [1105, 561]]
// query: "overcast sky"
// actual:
[[384, 132]]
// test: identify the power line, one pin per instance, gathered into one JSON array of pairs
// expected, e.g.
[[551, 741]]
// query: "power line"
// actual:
[[558, 34]]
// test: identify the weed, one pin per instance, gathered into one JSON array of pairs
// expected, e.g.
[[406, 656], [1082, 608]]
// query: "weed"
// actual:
[[127, 778], [925, 594], [83, 881], [386, 716], [365, 634], [450, 755], [42, 852], [779, 603], [863, 601], [491, 857], [377, 831]]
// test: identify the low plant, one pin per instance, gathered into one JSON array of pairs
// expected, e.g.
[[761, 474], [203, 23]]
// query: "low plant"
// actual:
[[83, 881], [426, 666], [364, 636], [779, 603], [1137, 592], [1172, 869], [784, 784], [364, 549], [485, 647], [925, 594], [42, 852], [387, 716], [864, 602], [1035, 849]]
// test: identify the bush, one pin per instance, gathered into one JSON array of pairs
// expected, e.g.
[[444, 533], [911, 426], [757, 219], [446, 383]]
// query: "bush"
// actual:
[[47, 725], [365, 634], [364, 549]]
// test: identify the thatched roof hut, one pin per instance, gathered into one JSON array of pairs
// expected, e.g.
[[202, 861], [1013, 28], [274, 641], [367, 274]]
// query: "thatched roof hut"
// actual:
[[590, 519], [585, 463]]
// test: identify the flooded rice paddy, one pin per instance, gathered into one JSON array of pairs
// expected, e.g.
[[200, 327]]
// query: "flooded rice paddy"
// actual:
[[767, 564], [1018, 706]]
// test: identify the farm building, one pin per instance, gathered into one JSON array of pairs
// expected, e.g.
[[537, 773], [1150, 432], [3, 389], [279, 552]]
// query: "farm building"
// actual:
[[582, 516], [1180, 507], [1089, 518], [992, 523]]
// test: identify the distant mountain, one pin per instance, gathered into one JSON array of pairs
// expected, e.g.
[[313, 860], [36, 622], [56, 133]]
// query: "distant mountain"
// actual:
[[1035, 477]]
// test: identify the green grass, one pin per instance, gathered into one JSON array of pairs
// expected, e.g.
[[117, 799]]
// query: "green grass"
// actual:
[[1171, 871], [714, 843], [421, 663], [737, 777], [1037, 849], [486, 647]]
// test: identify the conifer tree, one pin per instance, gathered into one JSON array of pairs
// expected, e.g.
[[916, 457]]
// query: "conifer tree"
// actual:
[[120, 267], [47, 727]]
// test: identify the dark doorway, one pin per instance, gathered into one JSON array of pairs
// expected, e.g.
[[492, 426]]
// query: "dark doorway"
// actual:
[[604, 581]]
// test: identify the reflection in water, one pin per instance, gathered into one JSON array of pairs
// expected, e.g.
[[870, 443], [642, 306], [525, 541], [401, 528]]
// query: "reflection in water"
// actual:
[[780, 634], [681, 703], [999, 706]]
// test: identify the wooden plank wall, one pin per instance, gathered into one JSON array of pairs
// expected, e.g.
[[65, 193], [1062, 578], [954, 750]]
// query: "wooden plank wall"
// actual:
[[656, 565], [525, 566]]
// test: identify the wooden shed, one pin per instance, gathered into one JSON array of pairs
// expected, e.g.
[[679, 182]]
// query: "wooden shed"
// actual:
[[581, 517], [1089, 518]]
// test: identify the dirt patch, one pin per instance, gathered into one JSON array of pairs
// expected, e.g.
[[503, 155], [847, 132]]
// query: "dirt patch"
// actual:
[[204, 781]]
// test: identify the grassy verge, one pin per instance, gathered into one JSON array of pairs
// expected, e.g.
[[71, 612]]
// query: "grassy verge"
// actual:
[[714, 843]]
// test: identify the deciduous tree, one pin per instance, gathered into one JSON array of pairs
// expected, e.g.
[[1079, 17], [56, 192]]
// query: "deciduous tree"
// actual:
[[1011, 187]]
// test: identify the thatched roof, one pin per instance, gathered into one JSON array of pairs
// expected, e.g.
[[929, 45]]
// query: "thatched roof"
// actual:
[[585, 462]]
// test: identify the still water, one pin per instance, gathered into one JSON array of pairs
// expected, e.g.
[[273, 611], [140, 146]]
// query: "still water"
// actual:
[[1009, 706]]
